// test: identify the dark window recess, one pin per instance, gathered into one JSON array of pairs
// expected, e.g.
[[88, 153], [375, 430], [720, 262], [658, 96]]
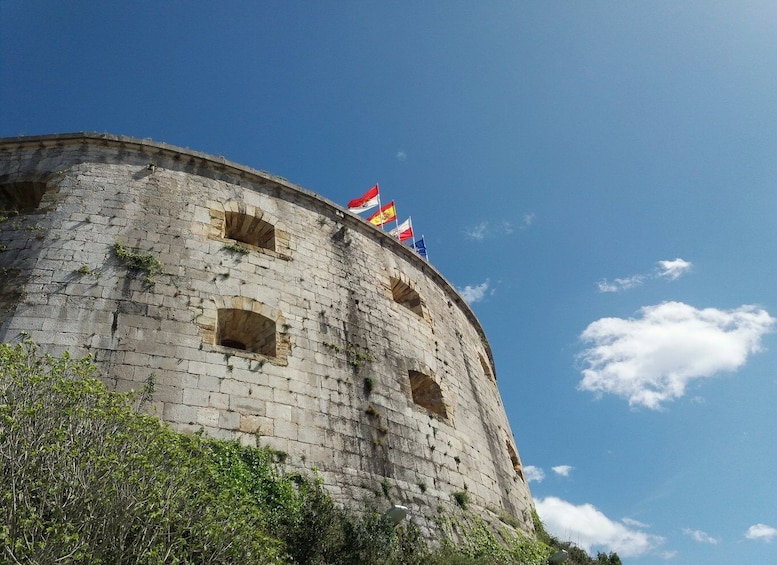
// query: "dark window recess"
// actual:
[[406, 296], [514, 459], [486, 367], [246, 331], [249, 229], [21, 197], [233, 343], [427, 393]]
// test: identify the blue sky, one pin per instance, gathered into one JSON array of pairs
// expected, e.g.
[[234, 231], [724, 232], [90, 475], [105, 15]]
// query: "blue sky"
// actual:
[[597, 178]]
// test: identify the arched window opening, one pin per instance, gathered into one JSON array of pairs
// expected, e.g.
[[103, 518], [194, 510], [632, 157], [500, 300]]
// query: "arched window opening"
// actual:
[[246, 331], [249, 229], [427, 393], [21, 197], [514, 459], [486, 367], [406, 296]]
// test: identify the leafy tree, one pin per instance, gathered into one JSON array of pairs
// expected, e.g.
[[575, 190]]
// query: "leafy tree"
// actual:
[[608, 558]]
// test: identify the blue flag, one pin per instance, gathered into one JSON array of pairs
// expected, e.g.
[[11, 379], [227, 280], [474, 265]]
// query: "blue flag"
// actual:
[[420, 246]]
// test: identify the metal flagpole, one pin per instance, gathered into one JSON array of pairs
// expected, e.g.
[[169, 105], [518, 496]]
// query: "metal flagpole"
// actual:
[[380, 206], [411, 231]]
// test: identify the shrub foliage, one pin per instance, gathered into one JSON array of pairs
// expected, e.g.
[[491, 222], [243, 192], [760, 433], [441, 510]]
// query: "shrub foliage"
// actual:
[[85, 477]]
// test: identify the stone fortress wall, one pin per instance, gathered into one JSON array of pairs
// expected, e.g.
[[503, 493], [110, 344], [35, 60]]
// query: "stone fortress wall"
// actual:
[[277, 315]]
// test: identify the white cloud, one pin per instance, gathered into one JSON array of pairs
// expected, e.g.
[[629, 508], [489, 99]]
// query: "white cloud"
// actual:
[[761, 532], [651, 359], [477, 232], [533, 474], [489, 230], [589, 528], [633, 522], [620, 284], [401, 155], [527, 221], [700, 536], [562, 470], [474, 293], [673, 270], [606, 286]]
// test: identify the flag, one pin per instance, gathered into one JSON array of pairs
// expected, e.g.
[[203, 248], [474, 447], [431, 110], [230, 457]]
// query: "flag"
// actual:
[[403, 231], [385, 215], [420, 246], [370, 199]]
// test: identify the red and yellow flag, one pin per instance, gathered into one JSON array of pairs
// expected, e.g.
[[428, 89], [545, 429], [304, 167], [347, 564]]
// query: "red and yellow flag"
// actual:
[[385, 215]]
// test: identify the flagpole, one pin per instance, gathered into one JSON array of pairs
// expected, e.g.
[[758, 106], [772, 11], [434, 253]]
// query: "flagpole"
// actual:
[[412, 233], [426, 249], [380, 209], [379, 204], [396, 219]]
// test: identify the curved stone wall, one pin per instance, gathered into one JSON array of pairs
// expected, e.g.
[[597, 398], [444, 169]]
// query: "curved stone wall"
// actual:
[[262, 312]]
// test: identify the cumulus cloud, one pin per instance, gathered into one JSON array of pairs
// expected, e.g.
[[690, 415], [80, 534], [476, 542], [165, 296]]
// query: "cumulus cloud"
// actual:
[[401, 155], [474, 293], [590, 528], [700, 536], [533, 474], [671, 270], [651, 359], [761, 532], [527, 221], [562, 470]]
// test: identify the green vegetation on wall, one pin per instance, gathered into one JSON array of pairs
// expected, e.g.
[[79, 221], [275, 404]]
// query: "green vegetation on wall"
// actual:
[[138, 262]]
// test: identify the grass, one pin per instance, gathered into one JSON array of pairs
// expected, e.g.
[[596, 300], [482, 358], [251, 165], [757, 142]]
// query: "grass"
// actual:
[[461, 497], [237, 249], [138, 262]]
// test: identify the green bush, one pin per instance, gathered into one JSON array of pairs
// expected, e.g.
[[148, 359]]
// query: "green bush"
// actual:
[[470, 540], [86, 478]]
